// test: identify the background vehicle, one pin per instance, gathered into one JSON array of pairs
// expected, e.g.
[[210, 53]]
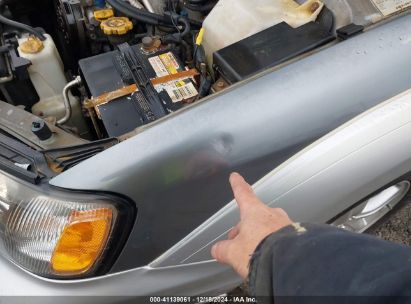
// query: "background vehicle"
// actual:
[[154, 199]]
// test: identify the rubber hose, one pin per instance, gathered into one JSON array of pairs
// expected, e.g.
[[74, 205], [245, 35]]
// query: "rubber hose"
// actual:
[[199, 7], [197, 2], [178, 37], [186, 24], [22, 26], [144, 16]]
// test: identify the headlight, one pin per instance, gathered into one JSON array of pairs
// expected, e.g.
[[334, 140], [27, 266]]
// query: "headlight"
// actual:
[[52, 234]]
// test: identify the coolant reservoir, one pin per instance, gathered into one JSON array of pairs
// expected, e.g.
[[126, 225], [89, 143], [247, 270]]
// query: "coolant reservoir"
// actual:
[[46, 70], [233, 20], [47, 75]]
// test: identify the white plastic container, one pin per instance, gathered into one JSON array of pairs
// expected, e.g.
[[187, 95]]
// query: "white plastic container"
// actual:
[[233, 20], [46, 70], [47, 75]]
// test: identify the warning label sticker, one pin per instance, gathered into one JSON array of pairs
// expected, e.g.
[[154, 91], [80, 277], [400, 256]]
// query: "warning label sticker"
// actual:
[[166, 64], [170, 63], [388, 7], [184, 92], [158, 66]]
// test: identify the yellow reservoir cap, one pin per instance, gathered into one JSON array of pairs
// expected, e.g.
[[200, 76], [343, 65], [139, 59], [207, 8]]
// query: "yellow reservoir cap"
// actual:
[[103, 14], [32, 45], [82, 241], [116, 26]]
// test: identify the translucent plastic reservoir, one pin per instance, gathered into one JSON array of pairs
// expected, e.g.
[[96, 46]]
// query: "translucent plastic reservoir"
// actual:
[[233, 20], [46, 70], [47, 75]]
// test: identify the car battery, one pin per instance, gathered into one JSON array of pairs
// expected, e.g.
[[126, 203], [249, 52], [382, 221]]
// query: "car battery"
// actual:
[[108, 74]]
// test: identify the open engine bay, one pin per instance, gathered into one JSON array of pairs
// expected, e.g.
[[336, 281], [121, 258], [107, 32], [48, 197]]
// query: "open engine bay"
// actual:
[[88, 70]]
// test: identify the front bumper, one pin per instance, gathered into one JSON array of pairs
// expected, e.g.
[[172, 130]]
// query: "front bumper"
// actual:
[[184, 280]]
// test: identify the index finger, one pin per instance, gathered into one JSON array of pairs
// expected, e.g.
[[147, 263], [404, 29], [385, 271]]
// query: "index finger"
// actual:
[[243, 193]]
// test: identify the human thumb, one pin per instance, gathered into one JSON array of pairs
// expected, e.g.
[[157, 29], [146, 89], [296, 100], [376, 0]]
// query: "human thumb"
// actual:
[[221, 251]]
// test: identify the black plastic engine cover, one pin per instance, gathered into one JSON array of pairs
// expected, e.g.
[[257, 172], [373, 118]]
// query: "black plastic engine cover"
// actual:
[[269, 48]]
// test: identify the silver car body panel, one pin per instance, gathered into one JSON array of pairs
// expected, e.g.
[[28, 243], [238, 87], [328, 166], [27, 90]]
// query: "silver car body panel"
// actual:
[[176, 171], [327, 177], [315, 185], [324, 179]]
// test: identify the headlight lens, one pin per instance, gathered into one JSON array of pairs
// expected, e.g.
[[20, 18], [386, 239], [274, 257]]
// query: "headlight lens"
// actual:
[[52, 235], [82, 240]]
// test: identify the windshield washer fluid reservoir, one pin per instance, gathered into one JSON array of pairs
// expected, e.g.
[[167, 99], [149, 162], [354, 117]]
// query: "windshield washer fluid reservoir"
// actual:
[[233, 20], [48, 78]]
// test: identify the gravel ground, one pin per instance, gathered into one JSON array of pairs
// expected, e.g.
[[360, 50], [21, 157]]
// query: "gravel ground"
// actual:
[[397, 227]]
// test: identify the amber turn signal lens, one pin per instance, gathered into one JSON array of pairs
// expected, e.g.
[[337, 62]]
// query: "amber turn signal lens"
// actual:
[[82, 241]]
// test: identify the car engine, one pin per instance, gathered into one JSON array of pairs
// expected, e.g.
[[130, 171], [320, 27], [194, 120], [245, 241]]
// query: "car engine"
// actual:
[[102, 69]]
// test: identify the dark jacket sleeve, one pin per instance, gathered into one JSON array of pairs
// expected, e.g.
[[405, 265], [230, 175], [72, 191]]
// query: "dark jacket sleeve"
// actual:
[[320, 260]]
